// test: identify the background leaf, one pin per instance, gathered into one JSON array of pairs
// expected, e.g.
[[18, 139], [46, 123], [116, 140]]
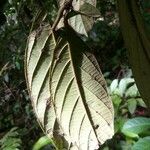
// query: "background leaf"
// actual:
[[136, 125], [77, 3], [132, 104], [11, 140], [89, 10], [132, 91], [142, 144], [43, 141], [114, 85], [141, 103], [81, 23]]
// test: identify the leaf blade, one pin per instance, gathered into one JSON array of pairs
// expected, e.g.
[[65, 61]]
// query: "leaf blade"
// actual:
[[37, 64], [143, 143], [136, 125], [72, 95]]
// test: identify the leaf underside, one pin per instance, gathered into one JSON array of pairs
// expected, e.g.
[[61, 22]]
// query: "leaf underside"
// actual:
[[39, 54], [81, 23], [68, 90], [142, 143]]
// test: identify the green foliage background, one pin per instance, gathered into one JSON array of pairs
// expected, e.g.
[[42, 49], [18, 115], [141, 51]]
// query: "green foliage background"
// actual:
[[16, 18]]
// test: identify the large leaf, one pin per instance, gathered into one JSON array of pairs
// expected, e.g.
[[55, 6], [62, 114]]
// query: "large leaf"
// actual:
[[67, 90], [82, 105], [39, 53], [136, 126], [138, 45], [39, 56], [142, 144]]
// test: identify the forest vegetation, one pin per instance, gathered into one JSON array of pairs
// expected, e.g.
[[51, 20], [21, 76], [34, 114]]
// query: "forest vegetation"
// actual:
[[101, 49]]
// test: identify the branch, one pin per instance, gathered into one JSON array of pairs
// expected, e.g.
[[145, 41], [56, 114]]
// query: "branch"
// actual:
[[66, 6]]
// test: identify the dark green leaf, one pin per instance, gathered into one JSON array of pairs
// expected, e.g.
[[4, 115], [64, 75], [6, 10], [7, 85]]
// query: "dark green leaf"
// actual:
[[136, 126], [39, 55], [43, 141], [142, 144]]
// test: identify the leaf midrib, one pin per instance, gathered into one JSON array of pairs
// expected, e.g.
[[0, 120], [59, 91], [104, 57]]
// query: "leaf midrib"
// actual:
[[79, 90]]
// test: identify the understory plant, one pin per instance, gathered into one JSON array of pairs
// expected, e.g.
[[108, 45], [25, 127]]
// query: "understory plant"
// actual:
[[66, 86]]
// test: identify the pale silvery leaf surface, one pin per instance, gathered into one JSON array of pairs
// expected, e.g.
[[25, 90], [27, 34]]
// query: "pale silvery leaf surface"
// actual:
[[80, 23], [67, 90], [83, 107], [39, 52]]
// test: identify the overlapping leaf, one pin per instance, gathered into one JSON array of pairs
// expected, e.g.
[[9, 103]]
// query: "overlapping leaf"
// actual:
[[82, 23], [78, 89]]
